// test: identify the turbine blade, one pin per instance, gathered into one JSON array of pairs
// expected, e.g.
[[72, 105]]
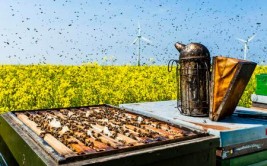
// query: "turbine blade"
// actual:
[[135, 40], [139, 28], [249, 39], [244, 41], [146, 40]]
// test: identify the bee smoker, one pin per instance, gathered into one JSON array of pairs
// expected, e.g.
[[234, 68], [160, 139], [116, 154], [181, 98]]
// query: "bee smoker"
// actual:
[[193, 79]]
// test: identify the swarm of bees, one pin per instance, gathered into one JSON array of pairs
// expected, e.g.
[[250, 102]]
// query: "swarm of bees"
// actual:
[[102, 128]]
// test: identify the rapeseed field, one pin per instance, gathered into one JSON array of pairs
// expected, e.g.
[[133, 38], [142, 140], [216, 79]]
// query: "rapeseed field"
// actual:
[[25, 87], [50, 86]]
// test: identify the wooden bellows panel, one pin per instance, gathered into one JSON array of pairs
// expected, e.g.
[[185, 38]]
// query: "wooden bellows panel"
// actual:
[[229, 79]]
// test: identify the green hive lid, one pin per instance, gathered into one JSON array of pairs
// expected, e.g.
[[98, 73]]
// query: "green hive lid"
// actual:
[[261, 88]]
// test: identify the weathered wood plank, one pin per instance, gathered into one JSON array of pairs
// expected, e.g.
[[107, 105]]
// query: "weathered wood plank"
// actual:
[[52, 141]]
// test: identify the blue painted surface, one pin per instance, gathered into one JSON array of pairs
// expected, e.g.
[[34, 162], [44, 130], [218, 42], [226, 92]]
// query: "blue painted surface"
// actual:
[[240, 130], [242, 135]]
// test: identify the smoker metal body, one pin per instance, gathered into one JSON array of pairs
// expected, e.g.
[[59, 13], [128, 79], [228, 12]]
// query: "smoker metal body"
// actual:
[[193, 77], [19, 142]]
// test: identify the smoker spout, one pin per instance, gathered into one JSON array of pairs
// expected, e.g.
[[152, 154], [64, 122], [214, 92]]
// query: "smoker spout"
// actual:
[[179, 46]]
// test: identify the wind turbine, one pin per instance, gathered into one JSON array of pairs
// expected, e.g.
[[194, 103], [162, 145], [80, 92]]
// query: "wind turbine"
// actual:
[[138, 39], [246, 44]]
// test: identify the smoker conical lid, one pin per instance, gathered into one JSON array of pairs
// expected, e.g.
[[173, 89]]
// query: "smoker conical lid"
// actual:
[[229, 80]]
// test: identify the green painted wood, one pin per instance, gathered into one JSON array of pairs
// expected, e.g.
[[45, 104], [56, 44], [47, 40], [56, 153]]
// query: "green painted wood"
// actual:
[[262, 163], [261, 88], [244, 160], [8, 157], [21, 151], [221, 162]]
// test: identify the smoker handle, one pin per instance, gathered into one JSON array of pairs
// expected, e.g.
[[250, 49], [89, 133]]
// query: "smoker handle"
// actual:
[[170, 64]]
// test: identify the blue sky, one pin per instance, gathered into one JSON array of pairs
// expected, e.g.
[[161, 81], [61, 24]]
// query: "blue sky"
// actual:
[[74, 32]]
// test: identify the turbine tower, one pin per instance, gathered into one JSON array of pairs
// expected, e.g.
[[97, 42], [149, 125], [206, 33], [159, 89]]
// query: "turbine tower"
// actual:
[[138, 39], [246, 45]]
